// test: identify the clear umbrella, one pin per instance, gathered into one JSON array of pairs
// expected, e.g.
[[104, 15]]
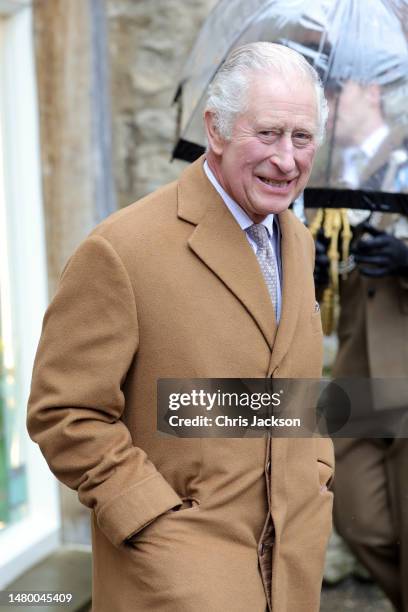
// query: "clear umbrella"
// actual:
[[360, 49]]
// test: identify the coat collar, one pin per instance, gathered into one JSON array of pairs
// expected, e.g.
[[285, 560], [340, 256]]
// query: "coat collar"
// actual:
[[292, 286], [222, 246]]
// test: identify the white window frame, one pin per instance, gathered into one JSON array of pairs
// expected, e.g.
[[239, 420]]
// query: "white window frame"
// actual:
[[29, 540]]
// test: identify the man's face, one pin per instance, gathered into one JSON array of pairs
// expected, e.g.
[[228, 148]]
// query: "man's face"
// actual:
[[350, 111], [268, 160]]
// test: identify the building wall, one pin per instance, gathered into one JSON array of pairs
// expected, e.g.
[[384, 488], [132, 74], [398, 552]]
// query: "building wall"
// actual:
[[148, 42]]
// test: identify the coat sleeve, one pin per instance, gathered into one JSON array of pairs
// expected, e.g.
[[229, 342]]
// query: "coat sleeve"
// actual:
[[88, 341]]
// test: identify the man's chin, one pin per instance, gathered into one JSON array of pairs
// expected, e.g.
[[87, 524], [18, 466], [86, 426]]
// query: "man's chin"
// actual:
[[276, 207]]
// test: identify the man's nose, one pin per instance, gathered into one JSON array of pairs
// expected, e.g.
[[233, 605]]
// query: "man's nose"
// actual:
[[283, 155]]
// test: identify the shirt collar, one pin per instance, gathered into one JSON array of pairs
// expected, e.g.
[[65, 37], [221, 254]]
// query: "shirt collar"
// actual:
[[371, 144], [235, 209]]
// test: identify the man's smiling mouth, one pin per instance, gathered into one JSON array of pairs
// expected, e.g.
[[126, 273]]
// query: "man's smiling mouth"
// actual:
[[274, 182]]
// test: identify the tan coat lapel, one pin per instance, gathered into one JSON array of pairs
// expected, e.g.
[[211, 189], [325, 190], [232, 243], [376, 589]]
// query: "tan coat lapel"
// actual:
[[292, 287], [221, 245]]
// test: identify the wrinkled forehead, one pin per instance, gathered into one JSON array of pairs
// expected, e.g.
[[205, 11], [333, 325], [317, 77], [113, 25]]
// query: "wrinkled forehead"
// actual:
[[291, 78], [269, 90]]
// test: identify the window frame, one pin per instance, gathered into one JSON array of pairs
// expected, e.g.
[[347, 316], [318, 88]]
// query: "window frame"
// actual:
[[30, 539]]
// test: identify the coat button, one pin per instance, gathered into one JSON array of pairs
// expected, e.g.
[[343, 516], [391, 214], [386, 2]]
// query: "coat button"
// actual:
[[262, 550], [371, 292], [268, 467]]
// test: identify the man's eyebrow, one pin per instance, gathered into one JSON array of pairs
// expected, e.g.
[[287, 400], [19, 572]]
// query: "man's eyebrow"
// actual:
[[302, 128], [269, 126]]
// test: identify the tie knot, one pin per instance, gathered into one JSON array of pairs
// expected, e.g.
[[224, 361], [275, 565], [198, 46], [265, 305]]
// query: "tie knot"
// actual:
[[259, 235]]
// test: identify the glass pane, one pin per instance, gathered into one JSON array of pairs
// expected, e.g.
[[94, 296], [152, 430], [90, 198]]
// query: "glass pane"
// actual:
[[13, 485], [13, 489]]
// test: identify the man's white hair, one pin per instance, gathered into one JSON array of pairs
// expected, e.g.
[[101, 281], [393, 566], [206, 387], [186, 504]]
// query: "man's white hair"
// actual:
[[229, 93]]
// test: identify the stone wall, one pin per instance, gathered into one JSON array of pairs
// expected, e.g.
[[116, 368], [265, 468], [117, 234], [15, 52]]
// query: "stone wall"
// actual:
[[70, 50], [63, 58], [148, 42], [106, 70]]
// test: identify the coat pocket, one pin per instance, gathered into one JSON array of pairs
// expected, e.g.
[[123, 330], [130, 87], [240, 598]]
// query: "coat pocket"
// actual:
[[189, 507], [188, 504], [326, 474], [325, 462]]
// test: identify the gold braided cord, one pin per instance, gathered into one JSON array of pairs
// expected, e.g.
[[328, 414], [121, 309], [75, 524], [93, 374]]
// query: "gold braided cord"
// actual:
[[346, 236], [335, 225], [317, 222]]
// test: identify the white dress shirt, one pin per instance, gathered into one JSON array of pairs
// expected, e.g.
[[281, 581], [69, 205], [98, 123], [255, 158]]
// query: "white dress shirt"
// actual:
[[360, 155], [270, 222], [366, 150]]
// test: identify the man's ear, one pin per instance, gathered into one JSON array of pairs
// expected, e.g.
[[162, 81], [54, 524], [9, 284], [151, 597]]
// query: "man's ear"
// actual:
[[215, 141]]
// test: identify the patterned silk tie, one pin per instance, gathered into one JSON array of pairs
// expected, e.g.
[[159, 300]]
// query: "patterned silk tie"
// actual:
[[266, 258]]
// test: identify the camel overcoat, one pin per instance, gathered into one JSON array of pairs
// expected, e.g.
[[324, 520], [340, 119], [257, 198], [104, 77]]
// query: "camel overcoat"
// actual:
[[169, 287]]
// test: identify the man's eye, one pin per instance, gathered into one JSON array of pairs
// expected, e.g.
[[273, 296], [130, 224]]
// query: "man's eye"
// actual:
[[302, 138], [269, 133]]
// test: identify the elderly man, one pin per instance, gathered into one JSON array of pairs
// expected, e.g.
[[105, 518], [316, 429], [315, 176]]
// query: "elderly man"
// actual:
[[210, 276]]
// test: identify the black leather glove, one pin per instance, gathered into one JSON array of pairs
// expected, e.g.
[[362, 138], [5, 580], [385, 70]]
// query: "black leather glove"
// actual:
[[322, 262], [382, 255]]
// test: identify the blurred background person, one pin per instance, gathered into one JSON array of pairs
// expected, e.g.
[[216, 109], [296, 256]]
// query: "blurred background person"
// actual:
[[371, 500]]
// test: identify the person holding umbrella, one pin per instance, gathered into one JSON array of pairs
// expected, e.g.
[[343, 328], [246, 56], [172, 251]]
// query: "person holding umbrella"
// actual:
[[371, 509], [211, 276]]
